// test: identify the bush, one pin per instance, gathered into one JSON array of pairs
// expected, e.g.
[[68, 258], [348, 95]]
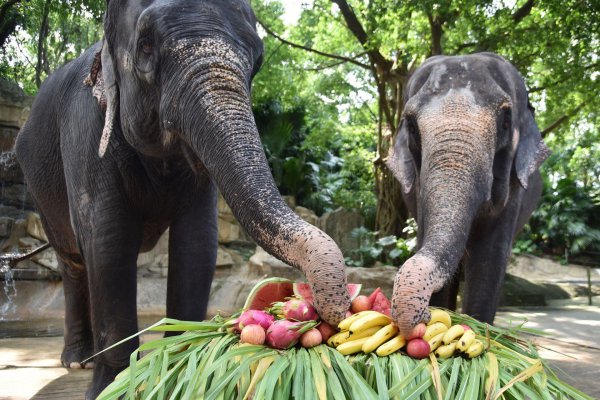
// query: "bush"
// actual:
[[388, 249]]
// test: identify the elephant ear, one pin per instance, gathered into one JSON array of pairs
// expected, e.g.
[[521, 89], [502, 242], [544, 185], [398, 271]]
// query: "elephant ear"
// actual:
[[531, 150], [112, 98], [400, 161]]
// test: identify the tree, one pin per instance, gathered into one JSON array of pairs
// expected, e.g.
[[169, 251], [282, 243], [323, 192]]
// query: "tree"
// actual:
[[391, 38], [37, 36]]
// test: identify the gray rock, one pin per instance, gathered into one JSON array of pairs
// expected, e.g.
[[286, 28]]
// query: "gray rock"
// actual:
[[6, 224], [262, 263], [307, 215], [339, 225]]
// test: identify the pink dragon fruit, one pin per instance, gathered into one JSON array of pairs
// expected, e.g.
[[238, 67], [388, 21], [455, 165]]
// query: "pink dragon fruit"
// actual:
[[283, 334], [253, 317], [299, 310]]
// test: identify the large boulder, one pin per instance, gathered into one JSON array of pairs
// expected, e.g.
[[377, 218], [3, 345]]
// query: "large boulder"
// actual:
[[339, 224]]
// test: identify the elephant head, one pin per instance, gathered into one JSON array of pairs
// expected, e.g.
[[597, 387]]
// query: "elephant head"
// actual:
[[467, 139], [177, 80]]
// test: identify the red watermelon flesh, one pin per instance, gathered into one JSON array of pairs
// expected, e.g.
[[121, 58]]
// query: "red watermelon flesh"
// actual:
[[374, 294], [303, 291], [382, 304], [267, 292]]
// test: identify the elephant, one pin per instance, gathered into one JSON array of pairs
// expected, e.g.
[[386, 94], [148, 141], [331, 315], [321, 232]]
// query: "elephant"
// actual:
[[466, 155], [137, 135]]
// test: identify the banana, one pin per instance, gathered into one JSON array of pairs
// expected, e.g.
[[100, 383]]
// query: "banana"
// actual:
[[369, 321], [362, 334], [344, 325], [440, 316], [436, 341], [446, 351], [454, 332], [465, 341], [379, 338], [474, 349], [351, 347], [433, 330], [392, 345], [338, 338]]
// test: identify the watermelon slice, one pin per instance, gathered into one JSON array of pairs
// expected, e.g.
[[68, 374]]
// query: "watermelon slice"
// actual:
[[374, 294], [303, 291], [381, 303], [267, 292]]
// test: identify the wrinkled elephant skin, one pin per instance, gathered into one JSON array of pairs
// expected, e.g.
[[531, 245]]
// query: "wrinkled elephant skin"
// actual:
[[134, 137], [466, 154]]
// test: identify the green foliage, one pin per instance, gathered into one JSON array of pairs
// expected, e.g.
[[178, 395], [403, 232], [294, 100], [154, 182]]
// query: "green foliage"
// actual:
[[387, 249], [73, 26], [319, 116]]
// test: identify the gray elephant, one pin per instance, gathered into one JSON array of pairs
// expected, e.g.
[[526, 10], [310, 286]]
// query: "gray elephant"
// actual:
[[134, 137], [466, 154]]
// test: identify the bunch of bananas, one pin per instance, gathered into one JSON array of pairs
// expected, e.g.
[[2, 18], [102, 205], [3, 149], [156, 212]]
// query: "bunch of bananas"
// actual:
[[369, 331], [446, 339]]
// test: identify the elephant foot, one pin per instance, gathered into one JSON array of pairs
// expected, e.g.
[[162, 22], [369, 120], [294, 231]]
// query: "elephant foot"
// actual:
[[73, 355], [103, 376]]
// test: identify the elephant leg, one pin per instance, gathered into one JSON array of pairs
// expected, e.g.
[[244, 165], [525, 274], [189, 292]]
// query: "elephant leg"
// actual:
[[110, 257], [79, 342], [446, 297], [192, 257], [485, 268]]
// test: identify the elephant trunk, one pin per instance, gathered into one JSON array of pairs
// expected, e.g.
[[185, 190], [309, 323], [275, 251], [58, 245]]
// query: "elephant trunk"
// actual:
[[455, 180], [216, 122]]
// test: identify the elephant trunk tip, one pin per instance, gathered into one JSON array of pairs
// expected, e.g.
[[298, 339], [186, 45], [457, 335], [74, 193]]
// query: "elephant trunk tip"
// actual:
[[414, 284]]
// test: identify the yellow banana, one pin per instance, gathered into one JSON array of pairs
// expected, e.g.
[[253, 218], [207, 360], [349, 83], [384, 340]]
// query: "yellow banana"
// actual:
[[454, 332], [391, 346], [465, 340], [440, 316], [475, 349], [344, 325], [436, 341], [338, 338], [379, 338], [434, 330], [351, 347], [369, 321], [446, 351], [358, 335]]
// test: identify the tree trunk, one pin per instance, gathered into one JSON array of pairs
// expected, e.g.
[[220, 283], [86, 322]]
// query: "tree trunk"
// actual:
[[42, 53], [9, 19]]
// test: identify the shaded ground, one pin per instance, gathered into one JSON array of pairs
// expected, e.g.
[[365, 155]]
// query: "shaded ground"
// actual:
[[30, 366]]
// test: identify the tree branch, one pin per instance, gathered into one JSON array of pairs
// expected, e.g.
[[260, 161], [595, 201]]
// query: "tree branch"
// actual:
[[562, 120], [359, 32], [524, 11], [321, 53], [435, 24]]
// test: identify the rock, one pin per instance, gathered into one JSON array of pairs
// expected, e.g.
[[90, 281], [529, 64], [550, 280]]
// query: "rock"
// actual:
[[290, 201], [229, 229], [6, 224], [307, 215], [34, 226], [224, 258], [262, 263], [16, 195], [339, 225], [10, 172]]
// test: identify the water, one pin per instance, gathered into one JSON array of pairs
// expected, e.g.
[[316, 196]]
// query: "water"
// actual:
[[10, 290]]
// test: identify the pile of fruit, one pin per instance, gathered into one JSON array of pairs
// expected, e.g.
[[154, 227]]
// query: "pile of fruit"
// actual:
[[277, 348]]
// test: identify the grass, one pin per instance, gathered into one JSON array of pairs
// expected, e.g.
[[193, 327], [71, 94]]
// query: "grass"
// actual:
[[208, 363]]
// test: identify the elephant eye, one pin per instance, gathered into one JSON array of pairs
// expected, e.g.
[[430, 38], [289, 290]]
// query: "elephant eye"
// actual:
[[145, 46]]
